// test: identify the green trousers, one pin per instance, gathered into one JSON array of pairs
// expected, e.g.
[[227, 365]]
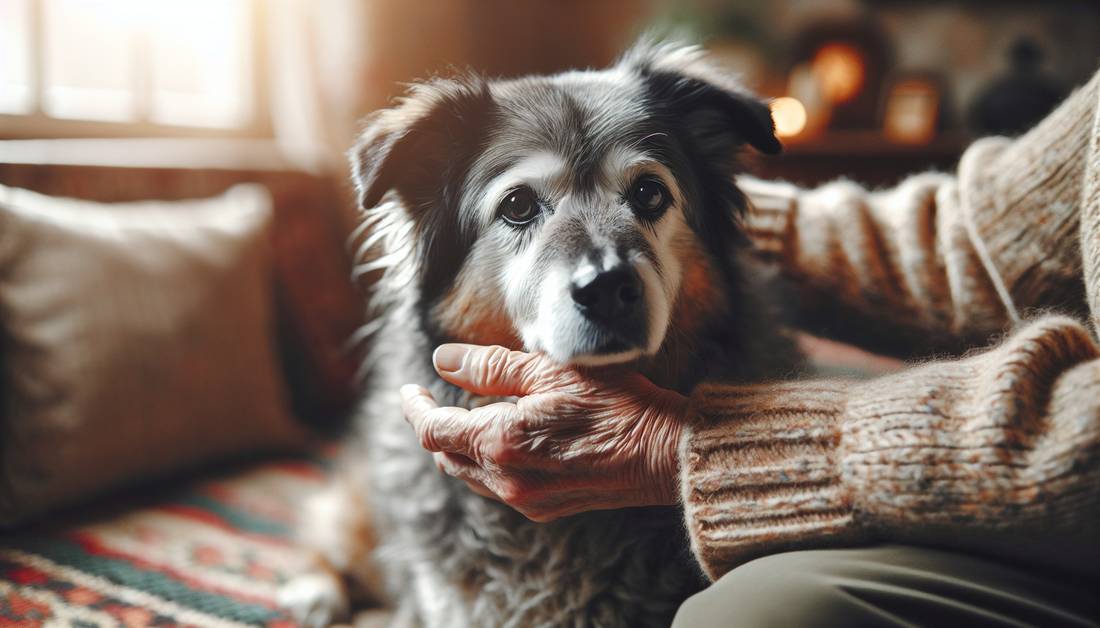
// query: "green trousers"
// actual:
[[890, 585]]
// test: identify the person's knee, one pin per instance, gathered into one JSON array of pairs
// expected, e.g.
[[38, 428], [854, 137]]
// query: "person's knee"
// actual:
[[792, 589], [886, 585]]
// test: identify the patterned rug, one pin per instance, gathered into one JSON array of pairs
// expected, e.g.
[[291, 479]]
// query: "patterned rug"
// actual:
[[212, 553]]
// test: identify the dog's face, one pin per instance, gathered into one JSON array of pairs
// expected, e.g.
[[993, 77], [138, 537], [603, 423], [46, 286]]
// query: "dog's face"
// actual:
[[585, 215]]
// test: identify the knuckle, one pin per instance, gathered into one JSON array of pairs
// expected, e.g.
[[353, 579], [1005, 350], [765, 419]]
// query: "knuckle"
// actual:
[[539, 373], [493, 363], [502, 452], [539, 516], [426, 440], [505, 446], [522, 429], [492, 453], [537, 513], [514, 493], [458, 472]]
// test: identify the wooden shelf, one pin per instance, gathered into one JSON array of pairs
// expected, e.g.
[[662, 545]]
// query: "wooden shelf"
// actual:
[[863, 156], [873, 142]]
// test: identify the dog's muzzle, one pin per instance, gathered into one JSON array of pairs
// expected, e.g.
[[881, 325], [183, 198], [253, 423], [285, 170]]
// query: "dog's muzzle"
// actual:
[[613, 300]]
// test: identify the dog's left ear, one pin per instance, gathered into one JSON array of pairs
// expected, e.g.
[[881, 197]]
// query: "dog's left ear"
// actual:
[[417, 148], [717, 112]]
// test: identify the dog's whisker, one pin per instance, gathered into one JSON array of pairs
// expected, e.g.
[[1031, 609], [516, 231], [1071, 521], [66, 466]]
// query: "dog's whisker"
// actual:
[[364, 332], [381, 263], [372, 241], [643, 140], [364, 225]]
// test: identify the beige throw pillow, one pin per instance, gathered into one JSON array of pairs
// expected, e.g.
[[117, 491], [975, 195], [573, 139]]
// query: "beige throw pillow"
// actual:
[[135, 339]]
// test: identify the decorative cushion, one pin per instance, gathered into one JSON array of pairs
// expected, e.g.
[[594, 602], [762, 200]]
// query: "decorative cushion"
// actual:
[[318, 310], [136, 339]]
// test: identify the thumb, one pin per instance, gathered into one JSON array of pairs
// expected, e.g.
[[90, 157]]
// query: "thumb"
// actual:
[[493, 371]]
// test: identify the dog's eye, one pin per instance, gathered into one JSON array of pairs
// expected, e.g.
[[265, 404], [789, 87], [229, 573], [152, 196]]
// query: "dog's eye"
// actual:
[[649, 197], [520, 206]]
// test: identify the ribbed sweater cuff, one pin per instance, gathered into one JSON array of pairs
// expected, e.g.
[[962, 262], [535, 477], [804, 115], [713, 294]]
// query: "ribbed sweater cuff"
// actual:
[[760, 471]]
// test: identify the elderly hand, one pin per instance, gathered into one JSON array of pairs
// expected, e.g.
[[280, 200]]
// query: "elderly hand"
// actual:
[[574, 440]]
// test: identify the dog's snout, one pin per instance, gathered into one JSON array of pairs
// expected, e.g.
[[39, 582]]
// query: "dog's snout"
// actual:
[[609, 294]]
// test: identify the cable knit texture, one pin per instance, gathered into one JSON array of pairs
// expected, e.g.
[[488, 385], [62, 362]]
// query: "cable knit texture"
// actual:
[[995, 451]]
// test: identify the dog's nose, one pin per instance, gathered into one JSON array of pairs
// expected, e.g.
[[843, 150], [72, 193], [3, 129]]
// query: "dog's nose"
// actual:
[[607, 295]]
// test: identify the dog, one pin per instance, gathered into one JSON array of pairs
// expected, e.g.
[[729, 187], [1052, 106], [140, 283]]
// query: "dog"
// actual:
[[591, 216]]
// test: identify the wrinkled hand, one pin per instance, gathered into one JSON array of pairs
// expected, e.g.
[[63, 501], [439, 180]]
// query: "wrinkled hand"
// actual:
[[573, 441]]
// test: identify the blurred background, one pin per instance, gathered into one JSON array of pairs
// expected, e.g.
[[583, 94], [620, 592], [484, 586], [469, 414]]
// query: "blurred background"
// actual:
[[121, 100], [140, 342], [282, 83]]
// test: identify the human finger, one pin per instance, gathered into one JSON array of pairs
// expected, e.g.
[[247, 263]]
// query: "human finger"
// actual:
[[493, 370]]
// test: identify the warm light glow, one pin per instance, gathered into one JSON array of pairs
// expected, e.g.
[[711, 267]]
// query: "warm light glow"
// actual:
[[789, 116], [840, 72], [911, 112]]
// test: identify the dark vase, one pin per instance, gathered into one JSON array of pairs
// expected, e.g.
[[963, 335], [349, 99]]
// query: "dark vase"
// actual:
[[1016, 101]]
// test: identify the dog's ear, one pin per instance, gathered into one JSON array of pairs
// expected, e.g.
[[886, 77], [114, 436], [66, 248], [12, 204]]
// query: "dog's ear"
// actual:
[[716, 117], [415, 147], [718, 113]]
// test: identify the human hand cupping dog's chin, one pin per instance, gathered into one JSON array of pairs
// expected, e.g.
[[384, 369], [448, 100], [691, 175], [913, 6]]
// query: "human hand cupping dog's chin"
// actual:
[[573, 441]]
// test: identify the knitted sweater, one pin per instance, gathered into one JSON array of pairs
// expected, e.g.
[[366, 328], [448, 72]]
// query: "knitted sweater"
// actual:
[[997, 451]]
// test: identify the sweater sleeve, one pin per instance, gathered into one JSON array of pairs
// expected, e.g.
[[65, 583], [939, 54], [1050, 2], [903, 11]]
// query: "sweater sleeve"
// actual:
[[902, 269], [999, 451]]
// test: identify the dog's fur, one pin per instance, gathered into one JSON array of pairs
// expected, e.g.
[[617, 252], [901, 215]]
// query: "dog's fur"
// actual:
[[431, 173]]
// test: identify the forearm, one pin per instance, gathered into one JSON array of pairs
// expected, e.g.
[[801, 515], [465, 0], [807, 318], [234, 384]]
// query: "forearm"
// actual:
[[996, 451], [892, 270], [909, 259]]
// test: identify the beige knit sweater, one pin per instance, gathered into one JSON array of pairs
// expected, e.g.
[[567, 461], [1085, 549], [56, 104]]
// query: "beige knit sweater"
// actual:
[[998, 451]]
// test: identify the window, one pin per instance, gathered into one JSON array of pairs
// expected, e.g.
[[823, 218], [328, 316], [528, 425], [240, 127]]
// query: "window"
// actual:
[[16, 94], [129, 67]]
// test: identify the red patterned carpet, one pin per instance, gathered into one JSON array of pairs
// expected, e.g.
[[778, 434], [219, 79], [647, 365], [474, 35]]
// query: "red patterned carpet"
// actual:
[[212, 553]]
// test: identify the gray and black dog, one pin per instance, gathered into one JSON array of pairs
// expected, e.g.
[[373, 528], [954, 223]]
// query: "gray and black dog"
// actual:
[[591, 216]]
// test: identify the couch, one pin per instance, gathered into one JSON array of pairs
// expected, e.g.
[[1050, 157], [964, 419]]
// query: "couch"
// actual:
[[207, 544]]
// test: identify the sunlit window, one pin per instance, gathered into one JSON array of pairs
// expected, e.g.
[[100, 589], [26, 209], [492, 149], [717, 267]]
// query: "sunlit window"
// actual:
[[186, 63], [16, 89], [200, 54], [90, 61]]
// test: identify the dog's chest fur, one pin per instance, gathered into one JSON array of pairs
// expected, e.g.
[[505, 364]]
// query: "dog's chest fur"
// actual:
[[453, 558]]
